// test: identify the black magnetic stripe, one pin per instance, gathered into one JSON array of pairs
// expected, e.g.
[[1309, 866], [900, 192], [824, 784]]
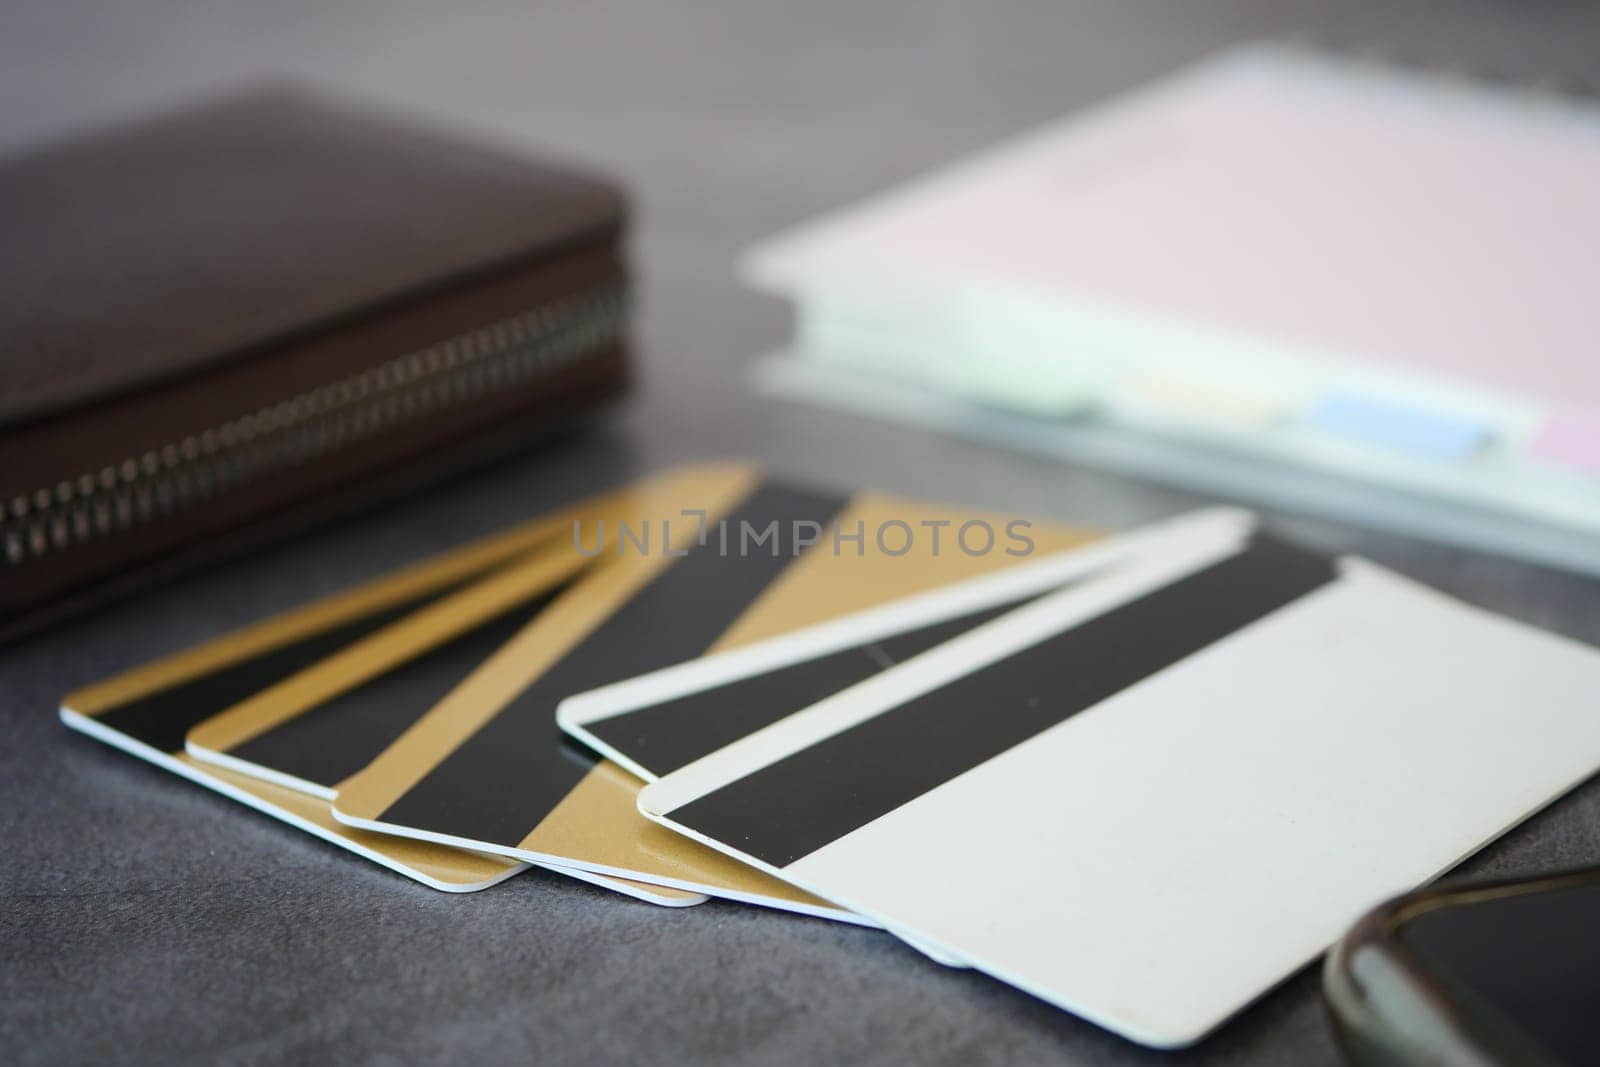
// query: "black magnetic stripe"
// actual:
[[663, 737], [164, 718], [498, 784], [800, 803], [328, 743]]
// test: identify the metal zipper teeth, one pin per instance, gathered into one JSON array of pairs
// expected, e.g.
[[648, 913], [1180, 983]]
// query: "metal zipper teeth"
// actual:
[[315, 423]]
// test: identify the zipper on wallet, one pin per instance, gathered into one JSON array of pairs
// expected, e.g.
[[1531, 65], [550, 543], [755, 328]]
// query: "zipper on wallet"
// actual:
[[385, 398]]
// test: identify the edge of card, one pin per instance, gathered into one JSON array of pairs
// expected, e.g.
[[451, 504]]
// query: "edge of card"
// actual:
[[88, 726], [85, 724], [1119, 1027], [566, 865]]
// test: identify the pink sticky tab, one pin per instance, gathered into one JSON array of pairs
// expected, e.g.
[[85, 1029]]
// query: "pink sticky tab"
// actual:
[[1570, 442]]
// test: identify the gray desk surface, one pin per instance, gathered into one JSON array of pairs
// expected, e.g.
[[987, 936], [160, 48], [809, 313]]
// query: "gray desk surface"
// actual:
[[144, 918]]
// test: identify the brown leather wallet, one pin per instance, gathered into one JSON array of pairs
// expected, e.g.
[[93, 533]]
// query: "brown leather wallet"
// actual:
[[223, 324]]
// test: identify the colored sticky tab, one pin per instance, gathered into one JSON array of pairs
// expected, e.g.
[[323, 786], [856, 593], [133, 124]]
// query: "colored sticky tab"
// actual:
[[1207, 401], [1568, 442], [1384, 423]]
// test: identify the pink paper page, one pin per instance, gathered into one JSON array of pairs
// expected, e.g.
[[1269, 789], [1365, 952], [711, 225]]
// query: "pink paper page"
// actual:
[[1378, 216]]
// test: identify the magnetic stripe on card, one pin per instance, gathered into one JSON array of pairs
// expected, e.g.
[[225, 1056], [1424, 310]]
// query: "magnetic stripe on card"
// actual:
[[664, 737], [163, 719], [796, 805]]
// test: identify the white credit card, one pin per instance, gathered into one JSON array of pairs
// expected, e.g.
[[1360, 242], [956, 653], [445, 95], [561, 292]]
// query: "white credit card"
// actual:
[[1149, 798]]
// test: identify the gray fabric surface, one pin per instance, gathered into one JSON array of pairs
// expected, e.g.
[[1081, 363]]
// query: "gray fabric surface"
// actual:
[[144, 918]]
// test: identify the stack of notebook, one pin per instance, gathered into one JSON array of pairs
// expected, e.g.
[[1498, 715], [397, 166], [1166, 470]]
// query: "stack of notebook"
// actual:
[[1142, 777], [1281, 275]]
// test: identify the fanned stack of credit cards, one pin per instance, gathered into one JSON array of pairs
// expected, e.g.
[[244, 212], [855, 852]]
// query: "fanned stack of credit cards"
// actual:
[[1142, 777]]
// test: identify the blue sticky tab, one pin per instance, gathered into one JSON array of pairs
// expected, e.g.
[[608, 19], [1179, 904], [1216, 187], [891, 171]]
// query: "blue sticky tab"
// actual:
[[1395, 426]]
